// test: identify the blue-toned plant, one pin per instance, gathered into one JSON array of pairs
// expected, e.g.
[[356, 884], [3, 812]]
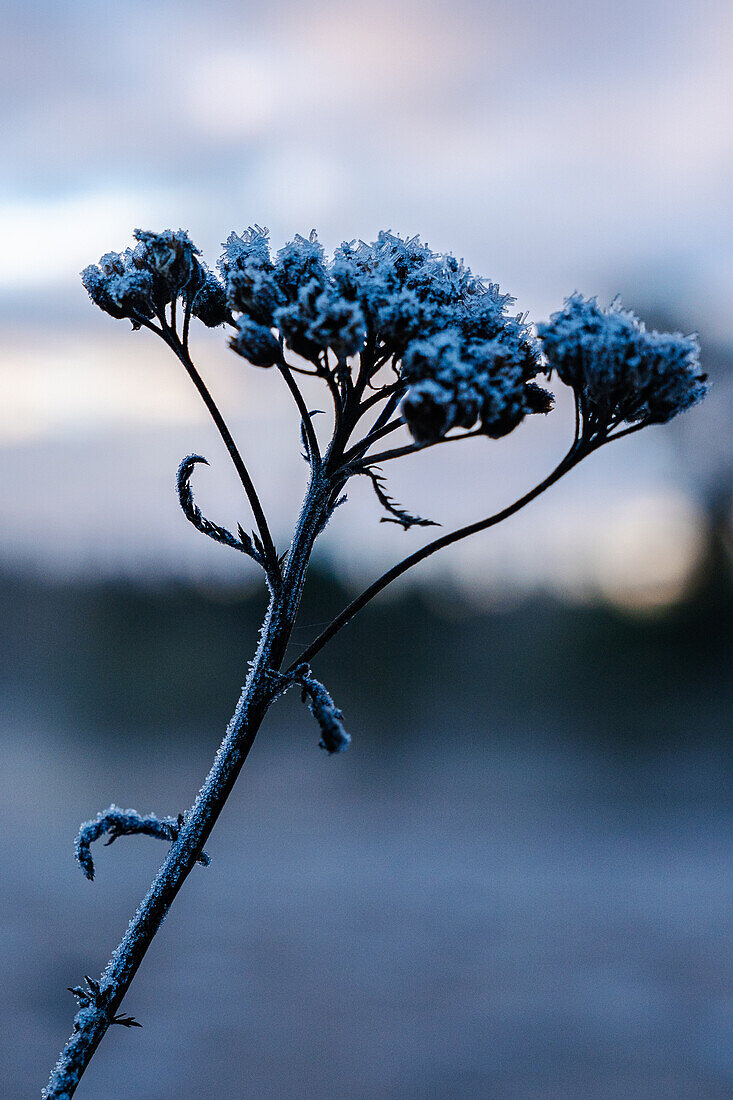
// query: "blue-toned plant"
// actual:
[[401, 338]]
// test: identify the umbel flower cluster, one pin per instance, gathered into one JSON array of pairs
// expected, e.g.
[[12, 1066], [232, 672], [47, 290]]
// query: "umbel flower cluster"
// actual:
[[620, 372], [459, 359], [140, 281], [407, 342]]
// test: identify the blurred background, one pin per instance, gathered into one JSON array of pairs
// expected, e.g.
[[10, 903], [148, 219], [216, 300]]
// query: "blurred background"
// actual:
[[517, 882]]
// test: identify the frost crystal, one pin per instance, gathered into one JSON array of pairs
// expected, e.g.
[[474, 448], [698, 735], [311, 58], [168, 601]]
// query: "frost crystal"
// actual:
[[117, 823], [461, 359], [334, 737], [619, 370]]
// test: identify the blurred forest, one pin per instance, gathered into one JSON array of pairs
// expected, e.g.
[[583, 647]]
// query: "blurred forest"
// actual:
[[125, 659], [515, 883]]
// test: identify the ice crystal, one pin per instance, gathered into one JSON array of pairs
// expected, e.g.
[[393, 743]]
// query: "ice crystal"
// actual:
[[116, 823], [255, 343], [620, 371], [334, 737], [461, 358]]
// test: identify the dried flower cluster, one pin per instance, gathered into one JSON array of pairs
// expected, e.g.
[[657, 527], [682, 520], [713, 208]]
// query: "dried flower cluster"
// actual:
[[138, 282], [620, 372], [443, 337]]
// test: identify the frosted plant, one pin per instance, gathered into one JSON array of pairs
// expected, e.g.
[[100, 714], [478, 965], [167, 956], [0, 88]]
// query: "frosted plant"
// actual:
[[400, 337]]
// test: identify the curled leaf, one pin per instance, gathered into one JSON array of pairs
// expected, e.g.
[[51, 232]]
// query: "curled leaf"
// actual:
[[397, 514], [116, 823]]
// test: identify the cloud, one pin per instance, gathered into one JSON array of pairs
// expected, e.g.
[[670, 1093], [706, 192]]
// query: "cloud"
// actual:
[[555, 146], [48, 241]]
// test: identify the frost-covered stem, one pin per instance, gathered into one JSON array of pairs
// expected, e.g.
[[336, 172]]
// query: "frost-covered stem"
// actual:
[[182, 354], [574, 455], [414, 448], [260, 690], [375, 434], [310, 435]]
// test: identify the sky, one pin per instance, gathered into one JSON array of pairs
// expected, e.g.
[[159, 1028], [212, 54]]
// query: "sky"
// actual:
[[554, 146]]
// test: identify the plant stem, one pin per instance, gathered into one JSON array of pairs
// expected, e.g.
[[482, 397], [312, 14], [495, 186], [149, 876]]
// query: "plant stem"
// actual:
[[310, 435], [244, 475], [258, 693], [574, 455]]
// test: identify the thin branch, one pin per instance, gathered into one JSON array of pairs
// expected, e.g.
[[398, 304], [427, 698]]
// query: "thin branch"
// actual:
[[315, 453], [307, 373], [359, 449], [187, 322], [571, 459], [578, 416], [396, 513], [195, 516], [627, 431], [367, 362], [182, 354], [116, 823], [393, 392], [334, 737], [413, 448], [338, 406]]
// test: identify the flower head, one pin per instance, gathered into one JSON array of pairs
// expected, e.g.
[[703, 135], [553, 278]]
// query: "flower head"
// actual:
[[455, 383], [139, 282], [461, 357], [248, 274], [619, 370], [120, 286], [170, 257], [300, 262], [255, 343], [208, 299]]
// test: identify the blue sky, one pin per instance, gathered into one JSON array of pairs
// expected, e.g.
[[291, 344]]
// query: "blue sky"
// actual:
[[553, 145]]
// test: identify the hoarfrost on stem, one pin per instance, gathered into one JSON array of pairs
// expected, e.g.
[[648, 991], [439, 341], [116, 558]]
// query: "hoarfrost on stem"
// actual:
[[116, 823]]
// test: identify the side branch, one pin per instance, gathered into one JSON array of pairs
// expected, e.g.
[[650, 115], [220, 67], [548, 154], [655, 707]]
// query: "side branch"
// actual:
[[182, 354], [414, 448], [574, 455], [359, 449], [195, 516], [116, 823], [334, 738], [397, 514], [305, 416]]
